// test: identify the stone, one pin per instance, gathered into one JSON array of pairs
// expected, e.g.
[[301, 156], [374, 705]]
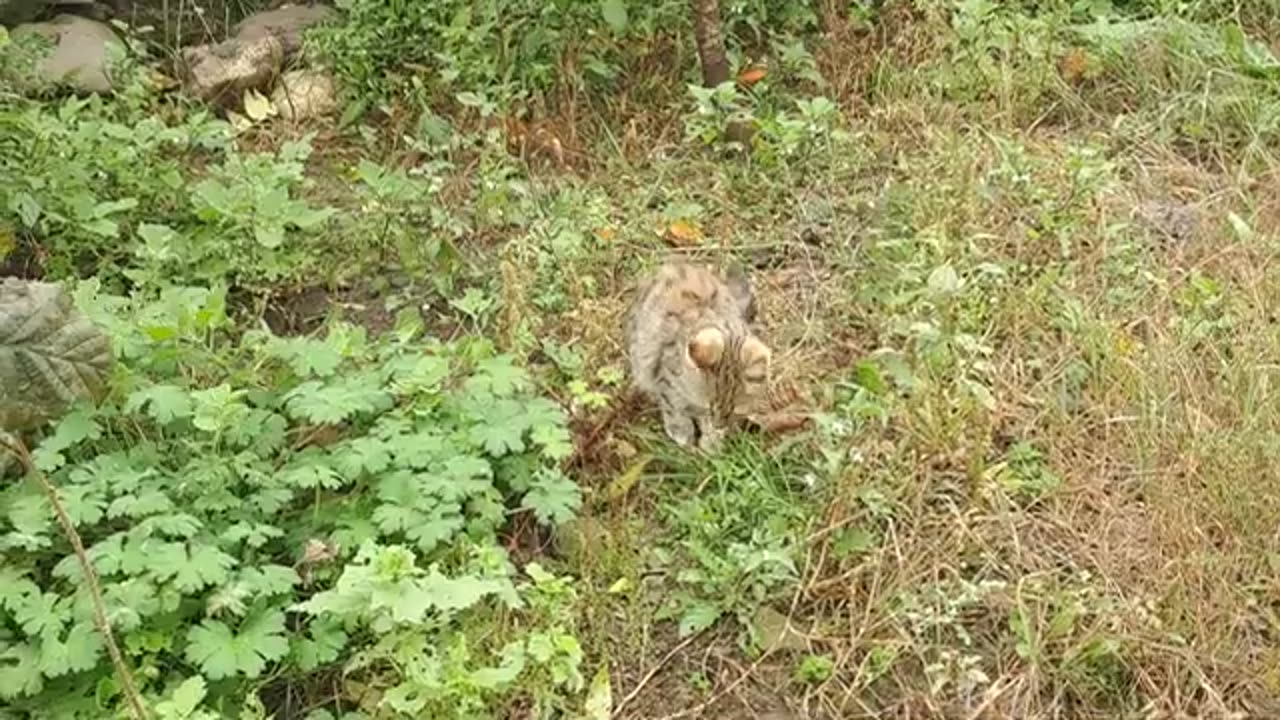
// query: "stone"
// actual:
[[287, 24], [221, 73], [82, 52], [303, 94], [259, 48]]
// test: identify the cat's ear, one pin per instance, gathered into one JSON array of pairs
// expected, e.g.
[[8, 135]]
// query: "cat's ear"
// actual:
[[740, 288], [706, 348], [755, 357]]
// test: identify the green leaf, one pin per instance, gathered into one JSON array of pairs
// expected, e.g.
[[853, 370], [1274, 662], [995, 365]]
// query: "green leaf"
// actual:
[[615, 14], [165, 403], [323, 644], [311, 470], [494, 678], [599, 704], [42, 614], [362, 455], [552, 497], [74, 428], [307, 357], [20, 672], [498, 376], [221, 653], [79, 652], [943, 281], [698, 616], [190, 570], [332, 404], [50, 354], [184, 701], [15, 588]]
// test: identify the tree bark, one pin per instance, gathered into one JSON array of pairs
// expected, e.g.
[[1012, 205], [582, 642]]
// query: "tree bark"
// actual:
[[708, 33]]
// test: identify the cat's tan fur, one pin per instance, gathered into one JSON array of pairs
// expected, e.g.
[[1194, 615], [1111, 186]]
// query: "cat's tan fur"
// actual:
[[693, 352]]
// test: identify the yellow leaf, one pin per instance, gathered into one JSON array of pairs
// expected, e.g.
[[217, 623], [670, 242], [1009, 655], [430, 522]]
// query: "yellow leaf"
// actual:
[[606, 234], [257, 106], [239, 122], [627, 480], [160, 81], [683, 233]]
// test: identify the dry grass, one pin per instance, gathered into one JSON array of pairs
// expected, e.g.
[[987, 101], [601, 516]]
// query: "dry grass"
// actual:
[[1140, 583]]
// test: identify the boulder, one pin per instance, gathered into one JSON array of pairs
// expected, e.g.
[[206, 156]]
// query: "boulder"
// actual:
[[287, 24], [221, 73], [82, 52], [303, 94], [259, 48]]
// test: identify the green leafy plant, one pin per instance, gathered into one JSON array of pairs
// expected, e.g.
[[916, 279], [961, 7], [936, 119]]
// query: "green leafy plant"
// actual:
[[193, 488]]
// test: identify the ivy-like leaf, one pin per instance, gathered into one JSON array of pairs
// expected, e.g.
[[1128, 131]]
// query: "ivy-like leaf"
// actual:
[[552, 497], [222, 653], [497, 376], [190, 570], [330, 404], [20, 672], [80, 650], [165, 403], [319, 646], [307, 357], [15, 588], [366, 454], [75, 427], [42, 614]]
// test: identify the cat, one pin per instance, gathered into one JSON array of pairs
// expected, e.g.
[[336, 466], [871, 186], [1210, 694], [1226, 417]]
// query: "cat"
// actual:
[[692, 350]]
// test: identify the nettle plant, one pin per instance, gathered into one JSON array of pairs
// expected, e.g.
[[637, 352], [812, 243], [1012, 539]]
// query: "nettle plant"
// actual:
[[263, 510]]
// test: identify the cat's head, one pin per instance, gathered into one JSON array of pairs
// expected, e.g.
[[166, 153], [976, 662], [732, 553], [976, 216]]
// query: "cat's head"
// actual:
[[736, 364]]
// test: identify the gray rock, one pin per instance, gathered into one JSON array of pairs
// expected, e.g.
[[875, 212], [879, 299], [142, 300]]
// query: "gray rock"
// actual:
[[303, 94], [260, 47], [221, 73], [82, 52], [287, 24]]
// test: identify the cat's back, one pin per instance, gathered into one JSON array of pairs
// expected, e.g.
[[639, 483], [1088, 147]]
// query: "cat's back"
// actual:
[[678, 297]]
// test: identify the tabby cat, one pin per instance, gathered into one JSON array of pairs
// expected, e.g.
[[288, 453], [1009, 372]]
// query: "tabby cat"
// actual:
[[693, 352]]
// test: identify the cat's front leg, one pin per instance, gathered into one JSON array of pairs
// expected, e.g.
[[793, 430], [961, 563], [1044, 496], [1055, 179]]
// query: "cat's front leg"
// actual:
[[679, 426], [710, 435]]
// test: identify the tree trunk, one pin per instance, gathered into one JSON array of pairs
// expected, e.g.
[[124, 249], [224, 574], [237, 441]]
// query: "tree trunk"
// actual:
[[711, 53], [715, 61]]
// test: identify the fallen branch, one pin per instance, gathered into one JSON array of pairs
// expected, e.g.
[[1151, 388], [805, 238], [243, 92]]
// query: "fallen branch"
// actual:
[[137, 707]]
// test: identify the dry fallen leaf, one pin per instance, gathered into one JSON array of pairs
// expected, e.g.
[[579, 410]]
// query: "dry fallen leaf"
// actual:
[[752, 75], [781, 423], [257, 106], [627, 480], [159, 81], [606, 234], [1074, 65], [683, 233]]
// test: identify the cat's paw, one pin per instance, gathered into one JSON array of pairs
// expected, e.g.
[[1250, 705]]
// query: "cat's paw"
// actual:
[[680, 430], [711, 440]]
